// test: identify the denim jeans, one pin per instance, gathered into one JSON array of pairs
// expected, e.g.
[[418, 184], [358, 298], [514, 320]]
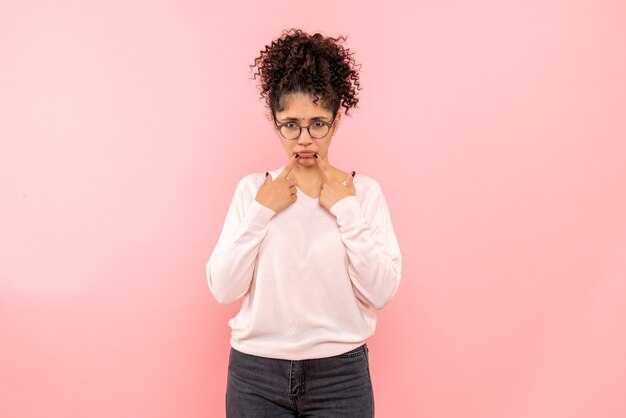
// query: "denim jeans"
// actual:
[[331, 387]]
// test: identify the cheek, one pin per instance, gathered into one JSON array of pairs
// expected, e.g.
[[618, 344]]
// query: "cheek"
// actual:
[[287, 147]]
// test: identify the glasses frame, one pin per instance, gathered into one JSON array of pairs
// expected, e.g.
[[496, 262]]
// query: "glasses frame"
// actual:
[[328, 124]]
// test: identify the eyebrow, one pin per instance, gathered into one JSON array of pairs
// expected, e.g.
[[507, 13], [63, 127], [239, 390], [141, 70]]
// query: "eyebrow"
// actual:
[[314, 117]]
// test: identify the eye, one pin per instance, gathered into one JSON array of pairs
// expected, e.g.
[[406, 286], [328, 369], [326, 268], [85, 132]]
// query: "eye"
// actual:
[[290, 125], [318, 124]]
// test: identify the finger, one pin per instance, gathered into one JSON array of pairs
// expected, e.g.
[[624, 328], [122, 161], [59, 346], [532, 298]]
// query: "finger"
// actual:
[[289, 166], [324, 167], [349, 180]]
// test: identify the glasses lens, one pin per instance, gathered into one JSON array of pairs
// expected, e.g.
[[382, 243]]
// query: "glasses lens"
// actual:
[[318, 129], [290, 131]]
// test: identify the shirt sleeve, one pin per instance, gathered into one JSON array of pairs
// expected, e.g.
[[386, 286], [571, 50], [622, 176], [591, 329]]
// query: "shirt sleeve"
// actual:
[[231, 264], [375, 259]]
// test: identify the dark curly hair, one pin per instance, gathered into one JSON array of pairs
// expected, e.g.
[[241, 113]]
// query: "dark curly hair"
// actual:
[[312, 64]]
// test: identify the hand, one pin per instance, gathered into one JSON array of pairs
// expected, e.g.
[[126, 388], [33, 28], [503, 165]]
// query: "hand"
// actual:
[[279, 193], [332, 190]]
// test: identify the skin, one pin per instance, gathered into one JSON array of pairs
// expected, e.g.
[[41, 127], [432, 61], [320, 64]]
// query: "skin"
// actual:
[[314, 176]]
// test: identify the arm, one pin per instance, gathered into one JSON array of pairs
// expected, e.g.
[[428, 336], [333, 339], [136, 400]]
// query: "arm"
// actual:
[[230, 267], [375, 259]]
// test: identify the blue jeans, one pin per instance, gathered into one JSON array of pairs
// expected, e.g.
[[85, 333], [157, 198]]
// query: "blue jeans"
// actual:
[[338, 386]]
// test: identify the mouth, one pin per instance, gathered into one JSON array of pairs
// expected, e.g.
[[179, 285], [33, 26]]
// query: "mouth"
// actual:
[[306, 154]]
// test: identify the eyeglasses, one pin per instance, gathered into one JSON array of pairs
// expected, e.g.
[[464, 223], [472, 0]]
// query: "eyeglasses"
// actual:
[[317, 129]]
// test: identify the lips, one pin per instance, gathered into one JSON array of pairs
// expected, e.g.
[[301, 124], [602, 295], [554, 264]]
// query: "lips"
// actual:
[[306, 153]]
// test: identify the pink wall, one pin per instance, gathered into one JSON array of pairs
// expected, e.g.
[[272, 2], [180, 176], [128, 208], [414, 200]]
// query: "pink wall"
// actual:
[[496, 131]]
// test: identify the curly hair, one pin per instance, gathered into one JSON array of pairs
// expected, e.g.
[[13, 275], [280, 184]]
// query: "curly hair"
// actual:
[[298, 62]]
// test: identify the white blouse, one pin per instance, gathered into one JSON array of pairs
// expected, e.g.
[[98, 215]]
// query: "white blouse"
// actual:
[[311, 278]]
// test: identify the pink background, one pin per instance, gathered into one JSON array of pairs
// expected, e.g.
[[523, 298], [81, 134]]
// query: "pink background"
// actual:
[[496, 130]]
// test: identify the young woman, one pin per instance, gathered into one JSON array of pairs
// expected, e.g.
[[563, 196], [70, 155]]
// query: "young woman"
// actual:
[[309, 247]]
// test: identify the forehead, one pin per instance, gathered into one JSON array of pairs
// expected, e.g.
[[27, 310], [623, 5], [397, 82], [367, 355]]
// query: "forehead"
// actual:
[[301, 106]]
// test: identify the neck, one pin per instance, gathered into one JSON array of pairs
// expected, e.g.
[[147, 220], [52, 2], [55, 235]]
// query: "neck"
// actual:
[[307, 176]]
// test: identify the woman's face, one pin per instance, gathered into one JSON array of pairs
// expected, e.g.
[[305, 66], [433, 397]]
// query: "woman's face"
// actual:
[[301, 110]]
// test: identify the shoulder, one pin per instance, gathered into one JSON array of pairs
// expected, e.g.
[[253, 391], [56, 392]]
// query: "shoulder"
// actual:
[[366, 184], [368, 190], [250, 183], [252, 179], [366, 181]]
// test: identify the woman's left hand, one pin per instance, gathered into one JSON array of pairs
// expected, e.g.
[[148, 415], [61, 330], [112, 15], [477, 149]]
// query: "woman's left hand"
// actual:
[[332, 190]]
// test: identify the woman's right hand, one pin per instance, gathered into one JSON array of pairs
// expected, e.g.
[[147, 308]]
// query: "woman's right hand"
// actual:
[[279, 193]]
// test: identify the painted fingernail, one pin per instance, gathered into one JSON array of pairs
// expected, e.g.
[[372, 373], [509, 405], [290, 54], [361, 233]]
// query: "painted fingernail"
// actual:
[[353, 173], [297, 156], [267, 174], [315, 155]]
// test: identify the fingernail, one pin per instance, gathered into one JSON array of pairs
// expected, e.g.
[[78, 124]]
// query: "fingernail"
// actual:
[[267, 174], [297, 156], [315, 155], [353, 173]]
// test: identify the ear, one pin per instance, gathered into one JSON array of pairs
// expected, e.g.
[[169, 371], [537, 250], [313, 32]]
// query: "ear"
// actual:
[[274, 126], [337, 122]]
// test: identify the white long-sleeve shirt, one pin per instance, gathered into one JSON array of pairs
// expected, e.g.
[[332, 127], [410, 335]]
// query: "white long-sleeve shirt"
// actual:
[[311, 278]]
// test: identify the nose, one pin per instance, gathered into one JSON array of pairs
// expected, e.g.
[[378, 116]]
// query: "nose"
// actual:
[[305, 137]]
